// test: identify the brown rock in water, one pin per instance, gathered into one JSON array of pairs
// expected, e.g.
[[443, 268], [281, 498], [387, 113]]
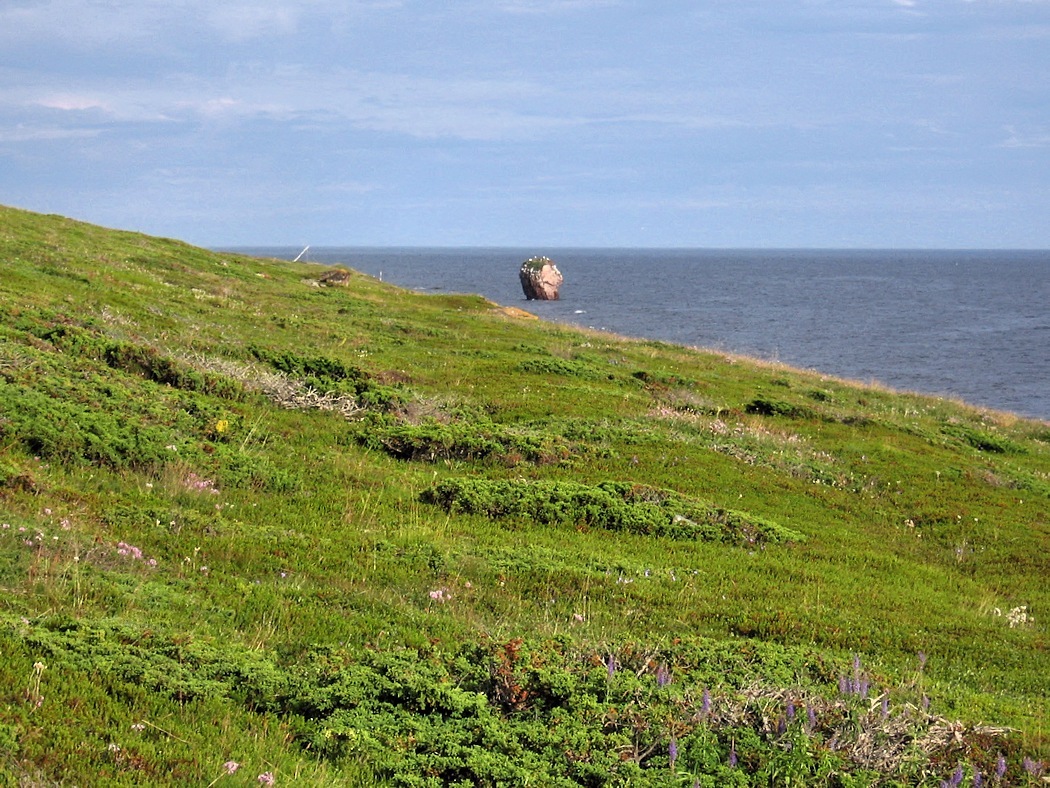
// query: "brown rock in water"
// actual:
[[540, 279]]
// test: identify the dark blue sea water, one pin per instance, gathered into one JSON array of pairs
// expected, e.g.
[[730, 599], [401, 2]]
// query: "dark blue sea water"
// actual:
[[968, 324]]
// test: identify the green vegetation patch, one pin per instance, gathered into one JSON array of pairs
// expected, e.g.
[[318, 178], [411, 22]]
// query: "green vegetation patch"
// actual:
[[433, 441], [764, 406], [71, 432], [141, 360], [508, 712], [568, 368], [982, 440], [611, 506], [330, 376]]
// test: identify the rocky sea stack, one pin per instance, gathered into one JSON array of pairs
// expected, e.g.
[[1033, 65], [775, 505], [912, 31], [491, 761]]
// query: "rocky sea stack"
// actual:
[[540, 279]]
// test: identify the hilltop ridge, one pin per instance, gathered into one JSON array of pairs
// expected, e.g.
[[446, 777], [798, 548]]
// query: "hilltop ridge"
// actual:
[[360, 535]]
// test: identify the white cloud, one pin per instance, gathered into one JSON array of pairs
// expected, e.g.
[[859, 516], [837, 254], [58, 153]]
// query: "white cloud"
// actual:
[[1024, 138], [73, 102], [29, 133]]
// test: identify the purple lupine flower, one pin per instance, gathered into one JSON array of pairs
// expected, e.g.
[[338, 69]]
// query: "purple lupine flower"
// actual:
[[672, 752], [1034, 768], [790, 710], [610, 666], [978, 781], [862, 688], [732, 756], [886, 706], [705, 705], [663, 675], [957, 777], [922, 660], [1000, 767], [811, 719], [843, 685]]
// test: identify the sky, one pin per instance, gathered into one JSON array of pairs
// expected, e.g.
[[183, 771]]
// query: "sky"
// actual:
[[534, 123]]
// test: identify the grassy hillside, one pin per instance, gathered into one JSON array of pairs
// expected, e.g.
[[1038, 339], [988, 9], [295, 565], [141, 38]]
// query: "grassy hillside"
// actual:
[[348, 534]]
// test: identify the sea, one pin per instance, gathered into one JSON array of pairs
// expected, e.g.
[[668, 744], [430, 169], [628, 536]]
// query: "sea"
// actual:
[[970, 325]]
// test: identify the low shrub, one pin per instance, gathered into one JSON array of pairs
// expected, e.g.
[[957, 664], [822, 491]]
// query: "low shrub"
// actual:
[[559, 366], [142, 360], [762, 406], [512, 712], [983, 441], [612, 506], [67, 431], [330, 376], [432, 441]]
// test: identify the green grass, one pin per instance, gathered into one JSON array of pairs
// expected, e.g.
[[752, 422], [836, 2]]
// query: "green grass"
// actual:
[[357, 535]]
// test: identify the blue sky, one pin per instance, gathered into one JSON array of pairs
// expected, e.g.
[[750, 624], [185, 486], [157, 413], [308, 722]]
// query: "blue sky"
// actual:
[[534, 123]]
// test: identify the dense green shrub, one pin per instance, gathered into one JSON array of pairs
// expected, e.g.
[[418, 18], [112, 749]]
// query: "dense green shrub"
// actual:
[[140, 360], [330, 375], [612, 506], [326, 371], [559, 366], [63, 430], [433, 441], [983, 440], [763, 406], [152, 365], [515, 712]]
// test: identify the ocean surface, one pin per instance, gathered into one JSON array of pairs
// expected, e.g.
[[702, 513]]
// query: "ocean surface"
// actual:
[[973, 325]]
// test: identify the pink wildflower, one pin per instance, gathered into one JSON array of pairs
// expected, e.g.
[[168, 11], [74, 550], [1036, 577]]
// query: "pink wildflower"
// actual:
[[123, 548]]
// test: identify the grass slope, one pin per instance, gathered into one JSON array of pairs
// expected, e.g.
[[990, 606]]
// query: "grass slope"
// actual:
[[355, 535]]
